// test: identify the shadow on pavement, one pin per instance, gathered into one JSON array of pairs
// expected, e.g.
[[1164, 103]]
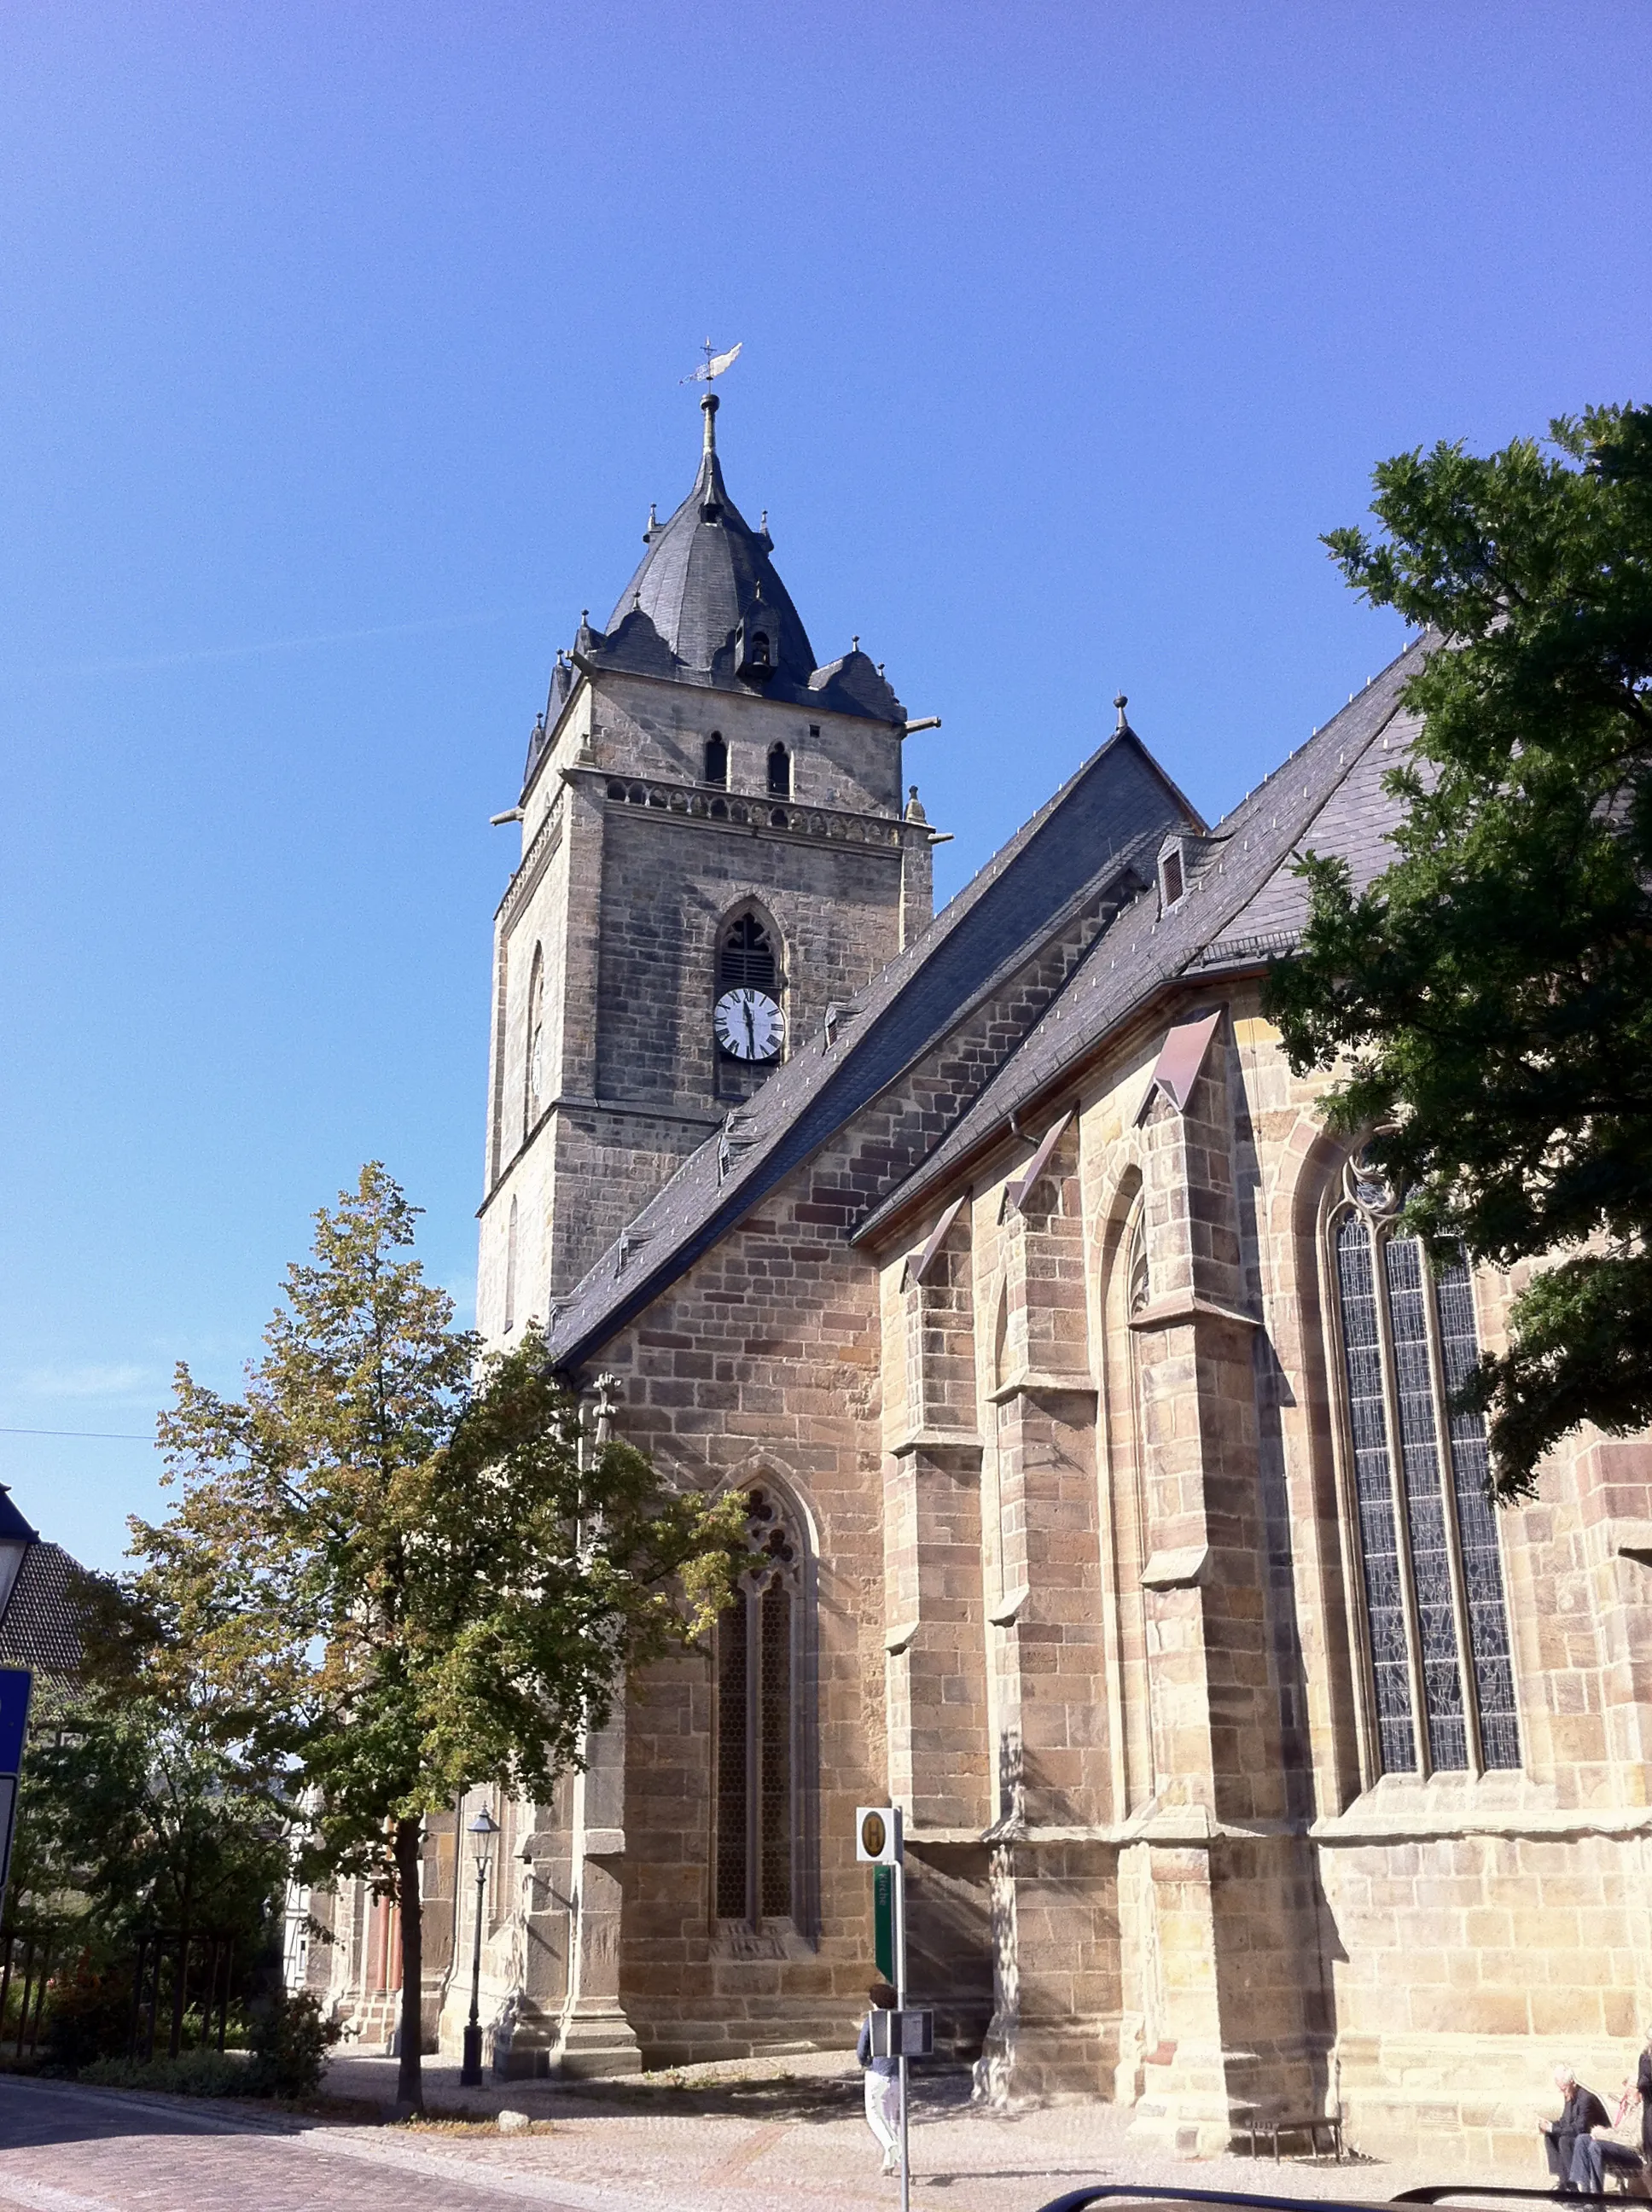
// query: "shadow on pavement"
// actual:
[[35, 2114]]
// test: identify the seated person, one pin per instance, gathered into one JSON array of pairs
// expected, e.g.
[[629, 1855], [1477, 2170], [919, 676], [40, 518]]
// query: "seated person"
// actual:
[[1574, 2154]]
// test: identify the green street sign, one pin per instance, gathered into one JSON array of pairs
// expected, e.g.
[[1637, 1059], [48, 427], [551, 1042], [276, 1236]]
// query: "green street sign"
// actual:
[[883, 1920]]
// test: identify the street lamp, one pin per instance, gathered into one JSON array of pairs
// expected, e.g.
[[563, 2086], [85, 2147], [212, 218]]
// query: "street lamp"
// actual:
[[483, 1831], [17, 1539]]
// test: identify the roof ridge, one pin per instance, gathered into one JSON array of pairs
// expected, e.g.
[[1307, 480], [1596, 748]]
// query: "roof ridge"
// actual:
[[1189, 930], [796, 1103]]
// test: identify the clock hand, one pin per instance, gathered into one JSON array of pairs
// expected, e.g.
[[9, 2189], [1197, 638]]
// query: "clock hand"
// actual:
[[751, 1033]]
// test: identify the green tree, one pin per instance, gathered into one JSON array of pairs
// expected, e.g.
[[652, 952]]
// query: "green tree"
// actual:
[[139, 1820], [1487, 1002], [405, 1570]]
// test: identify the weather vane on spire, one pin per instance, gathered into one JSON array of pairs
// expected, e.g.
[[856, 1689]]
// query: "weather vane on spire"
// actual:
[[712, 365]]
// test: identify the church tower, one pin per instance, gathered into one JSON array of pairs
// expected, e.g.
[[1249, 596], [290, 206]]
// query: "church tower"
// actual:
[[714, 851]]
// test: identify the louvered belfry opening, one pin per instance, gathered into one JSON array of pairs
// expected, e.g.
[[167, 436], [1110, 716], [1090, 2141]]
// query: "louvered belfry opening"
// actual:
[[757, 1822], [747, 960], [1435, 1613]]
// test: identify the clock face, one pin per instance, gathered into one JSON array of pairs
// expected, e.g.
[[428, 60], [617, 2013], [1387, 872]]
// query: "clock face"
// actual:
[[749, 1024]]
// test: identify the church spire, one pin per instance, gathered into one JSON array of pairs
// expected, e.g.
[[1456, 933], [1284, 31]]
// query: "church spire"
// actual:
[[706, 605]]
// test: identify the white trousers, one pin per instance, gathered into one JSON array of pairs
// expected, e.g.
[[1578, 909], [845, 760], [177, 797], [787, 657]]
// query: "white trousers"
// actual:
[[883, 2108]]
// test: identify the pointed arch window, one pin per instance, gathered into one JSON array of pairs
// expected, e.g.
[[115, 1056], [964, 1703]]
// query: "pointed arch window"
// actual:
[[758, 1754], [534, 1072], [1436, 1615], [747, 960], [716, 761], [779, 772]]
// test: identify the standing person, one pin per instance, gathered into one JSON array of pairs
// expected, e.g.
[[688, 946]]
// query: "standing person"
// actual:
[[883, 2081], [1640, 2088], [1574, 2155]]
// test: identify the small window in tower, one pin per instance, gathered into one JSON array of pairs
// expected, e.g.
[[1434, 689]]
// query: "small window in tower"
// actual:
[[716, 760], [779, 772], [760, 649], [748, 962], [535, 1073]]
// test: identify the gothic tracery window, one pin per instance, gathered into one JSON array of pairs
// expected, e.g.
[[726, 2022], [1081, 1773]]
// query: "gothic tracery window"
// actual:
[[1436, 1620], [747, 960], [756, 1753]]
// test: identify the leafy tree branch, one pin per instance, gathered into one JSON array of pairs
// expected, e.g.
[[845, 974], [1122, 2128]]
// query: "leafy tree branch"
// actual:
[[404, 1568], [1486, 1003]]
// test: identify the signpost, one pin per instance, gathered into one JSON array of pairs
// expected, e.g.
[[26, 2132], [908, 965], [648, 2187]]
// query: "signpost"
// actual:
[[16, 1684], [879, 1843]]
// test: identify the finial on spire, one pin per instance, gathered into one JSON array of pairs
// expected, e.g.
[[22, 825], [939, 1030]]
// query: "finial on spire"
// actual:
[[653, 522], [855, 642], [708, 407], [1121, 702]]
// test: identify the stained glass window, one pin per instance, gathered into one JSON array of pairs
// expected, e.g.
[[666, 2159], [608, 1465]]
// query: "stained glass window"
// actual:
[[733, 1766], [756, 1821], [1379, 1539], [1428, 1544], [1477, 1534]]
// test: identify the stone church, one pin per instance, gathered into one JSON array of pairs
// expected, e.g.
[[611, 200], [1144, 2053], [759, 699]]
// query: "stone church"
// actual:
[[1093, 1420]]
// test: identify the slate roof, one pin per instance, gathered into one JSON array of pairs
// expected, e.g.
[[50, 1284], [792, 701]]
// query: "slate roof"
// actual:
[[40, 1627], [1101, 829], [705, 572], [1243, 906], [703, 568]]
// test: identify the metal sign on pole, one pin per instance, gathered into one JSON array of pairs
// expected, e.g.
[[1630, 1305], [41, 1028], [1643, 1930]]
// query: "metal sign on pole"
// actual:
[[880, 1843], [15, 1685]]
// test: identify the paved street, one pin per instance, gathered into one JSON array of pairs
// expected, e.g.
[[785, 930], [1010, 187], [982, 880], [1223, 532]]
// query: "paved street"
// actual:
[[64, 2149], [69, 2149]]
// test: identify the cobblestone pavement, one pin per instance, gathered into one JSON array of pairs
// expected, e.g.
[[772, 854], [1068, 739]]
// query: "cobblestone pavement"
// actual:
[[67, 2150]]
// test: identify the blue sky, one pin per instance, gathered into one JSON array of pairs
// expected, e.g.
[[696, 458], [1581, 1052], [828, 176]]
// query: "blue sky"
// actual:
[[338, 366]]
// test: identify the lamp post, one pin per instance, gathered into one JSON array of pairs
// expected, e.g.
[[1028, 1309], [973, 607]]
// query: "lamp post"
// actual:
[[483, 1831]]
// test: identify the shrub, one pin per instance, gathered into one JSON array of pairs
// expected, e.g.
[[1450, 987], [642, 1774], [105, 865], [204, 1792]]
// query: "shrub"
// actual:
[[192, 2074], [290, 2039], [89, 2014]]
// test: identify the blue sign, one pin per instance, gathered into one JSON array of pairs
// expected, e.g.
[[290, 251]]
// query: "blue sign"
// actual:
[[15, 1683]]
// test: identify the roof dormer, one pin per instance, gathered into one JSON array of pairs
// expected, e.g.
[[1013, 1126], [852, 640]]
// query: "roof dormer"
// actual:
[[1182, 859]]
